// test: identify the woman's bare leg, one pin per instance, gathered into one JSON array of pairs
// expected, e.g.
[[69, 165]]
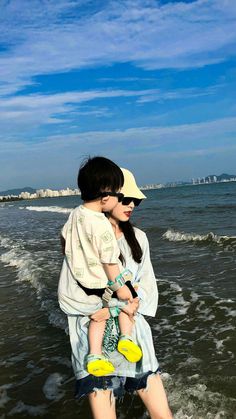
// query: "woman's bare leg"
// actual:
[[154, 398], [102, 404]]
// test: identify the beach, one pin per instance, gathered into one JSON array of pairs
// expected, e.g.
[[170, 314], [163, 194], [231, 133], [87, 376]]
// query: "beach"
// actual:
[[192, 235]]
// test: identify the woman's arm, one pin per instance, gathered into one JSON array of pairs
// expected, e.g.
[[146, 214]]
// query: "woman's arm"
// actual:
[[145, 280]]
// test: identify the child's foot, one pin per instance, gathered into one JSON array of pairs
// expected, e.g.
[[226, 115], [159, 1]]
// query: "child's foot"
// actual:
[[98, 365], [129, 349]]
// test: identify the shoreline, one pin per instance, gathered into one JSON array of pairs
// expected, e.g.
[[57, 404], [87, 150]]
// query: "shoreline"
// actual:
[[18, 198]]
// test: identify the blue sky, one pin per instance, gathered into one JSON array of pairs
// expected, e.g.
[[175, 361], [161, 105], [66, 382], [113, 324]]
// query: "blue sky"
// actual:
[[147, 83]]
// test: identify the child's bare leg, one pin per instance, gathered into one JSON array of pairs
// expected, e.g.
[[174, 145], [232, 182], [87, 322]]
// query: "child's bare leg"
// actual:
[[125, 323], [96, 364], [126, 346], [95, 336]]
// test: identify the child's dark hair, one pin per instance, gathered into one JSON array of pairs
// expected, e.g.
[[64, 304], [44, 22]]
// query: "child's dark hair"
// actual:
[[128, 230], [98, 174]]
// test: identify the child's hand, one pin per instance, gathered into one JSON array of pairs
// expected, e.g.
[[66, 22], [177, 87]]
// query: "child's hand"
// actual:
[[101, 315], [124, 293]]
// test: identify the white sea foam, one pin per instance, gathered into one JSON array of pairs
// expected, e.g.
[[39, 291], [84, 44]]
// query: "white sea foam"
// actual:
[[194, 296], [175, 286], [5, 242], [194, 400], [3, 395], [223, 300], [49, 209], [28, 409], [181, 304], [231, 313], [27, 270], [219, 344], [177, 236], [227, 328], [52, 386]]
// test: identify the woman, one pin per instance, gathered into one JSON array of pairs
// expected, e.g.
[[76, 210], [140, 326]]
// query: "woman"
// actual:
[[78, 307]]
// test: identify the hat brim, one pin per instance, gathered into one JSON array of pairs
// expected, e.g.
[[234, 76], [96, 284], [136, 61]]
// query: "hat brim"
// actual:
[[130, 188]]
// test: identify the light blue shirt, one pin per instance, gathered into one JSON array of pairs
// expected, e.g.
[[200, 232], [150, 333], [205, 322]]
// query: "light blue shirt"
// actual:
[[78, 306]]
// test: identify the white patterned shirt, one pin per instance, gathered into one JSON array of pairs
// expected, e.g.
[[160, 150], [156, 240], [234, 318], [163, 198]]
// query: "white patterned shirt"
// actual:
[[90, 242]]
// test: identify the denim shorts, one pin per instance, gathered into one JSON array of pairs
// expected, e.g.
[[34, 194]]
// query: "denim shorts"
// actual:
[[118, 385]]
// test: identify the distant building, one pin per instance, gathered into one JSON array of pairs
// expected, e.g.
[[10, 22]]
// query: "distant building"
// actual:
[[47, 193], [25, 195], [152, 186]]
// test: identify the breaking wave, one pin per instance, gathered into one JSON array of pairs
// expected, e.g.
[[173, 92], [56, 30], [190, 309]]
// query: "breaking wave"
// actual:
[[209, 238], [49, 209], [28, 269]]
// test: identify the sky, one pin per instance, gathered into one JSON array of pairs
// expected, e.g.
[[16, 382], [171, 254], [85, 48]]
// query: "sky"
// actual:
[[149, 84]]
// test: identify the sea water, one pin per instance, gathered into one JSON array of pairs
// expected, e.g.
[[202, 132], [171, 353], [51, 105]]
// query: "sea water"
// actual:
[[192, 235]]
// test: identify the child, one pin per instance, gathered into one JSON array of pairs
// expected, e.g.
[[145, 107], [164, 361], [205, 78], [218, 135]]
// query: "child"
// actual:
[[92, 255]]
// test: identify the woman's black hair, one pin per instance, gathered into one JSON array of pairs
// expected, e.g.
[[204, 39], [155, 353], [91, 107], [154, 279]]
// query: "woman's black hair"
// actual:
[[128, 231], [98, 174]]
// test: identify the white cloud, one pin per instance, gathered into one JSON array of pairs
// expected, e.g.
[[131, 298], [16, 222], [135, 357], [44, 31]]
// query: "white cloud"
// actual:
[[189, 93], [154, 154], [154, 139], [195, 137], [64, 35], [26, 113]]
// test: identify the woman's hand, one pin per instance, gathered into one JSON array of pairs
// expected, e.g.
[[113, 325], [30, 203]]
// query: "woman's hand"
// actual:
[[131, 308], [101, 315]]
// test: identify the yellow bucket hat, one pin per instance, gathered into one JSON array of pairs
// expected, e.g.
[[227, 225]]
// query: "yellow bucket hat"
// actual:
[[130, 188]]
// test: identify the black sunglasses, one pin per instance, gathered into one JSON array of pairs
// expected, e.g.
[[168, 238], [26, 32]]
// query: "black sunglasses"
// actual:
[[127, 200], [119, 195]]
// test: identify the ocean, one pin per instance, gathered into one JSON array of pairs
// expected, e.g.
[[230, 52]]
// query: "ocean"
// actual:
[[192, 235]]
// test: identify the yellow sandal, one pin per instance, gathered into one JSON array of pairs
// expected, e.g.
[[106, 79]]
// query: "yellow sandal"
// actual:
[[129, 349], [98, 365]]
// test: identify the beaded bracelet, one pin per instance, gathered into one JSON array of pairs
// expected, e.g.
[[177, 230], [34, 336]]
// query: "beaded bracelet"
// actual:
[[120, 280]]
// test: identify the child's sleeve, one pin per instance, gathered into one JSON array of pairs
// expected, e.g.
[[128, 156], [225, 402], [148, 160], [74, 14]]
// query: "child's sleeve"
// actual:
[[105, 241]]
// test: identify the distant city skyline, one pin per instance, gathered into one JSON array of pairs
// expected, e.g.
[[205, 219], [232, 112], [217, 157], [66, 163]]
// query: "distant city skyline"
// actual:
[[49, 193], [149, 84]]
